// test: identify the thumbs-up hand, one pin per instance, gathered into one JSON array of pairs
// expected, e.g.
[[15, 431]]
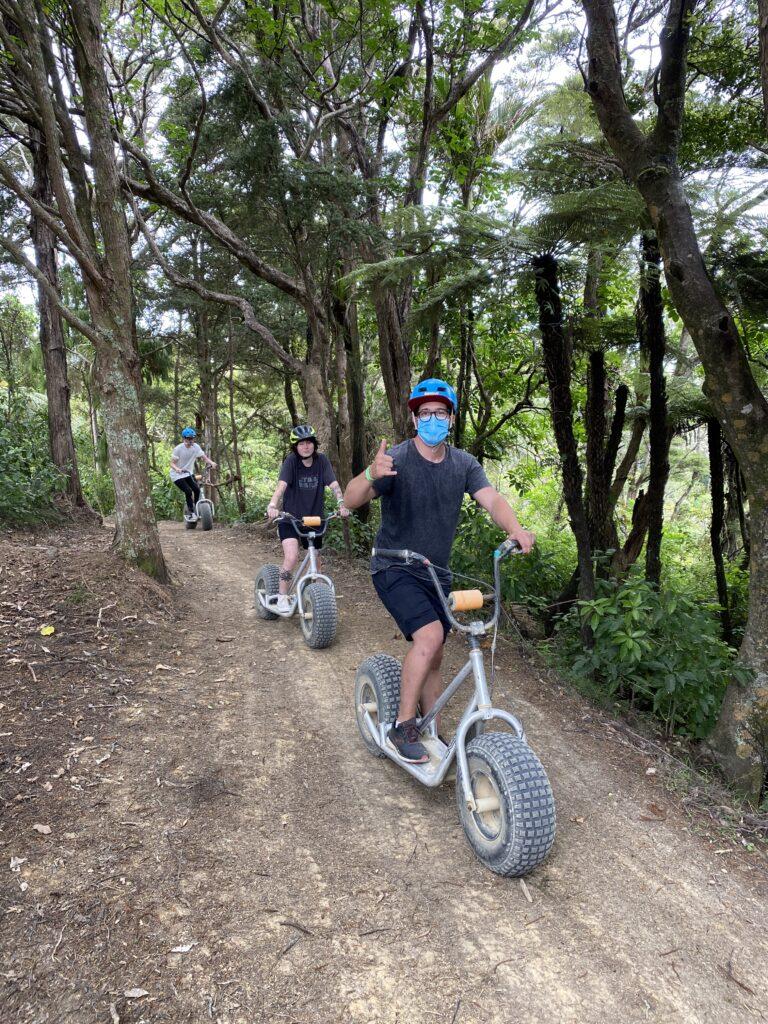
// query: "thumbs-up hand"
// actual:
[[383, 464]]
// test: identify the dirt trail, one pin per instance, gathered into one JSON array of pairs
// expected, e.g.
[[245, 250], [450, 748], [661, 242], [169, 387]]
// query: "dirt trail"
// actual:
[[304, 880]]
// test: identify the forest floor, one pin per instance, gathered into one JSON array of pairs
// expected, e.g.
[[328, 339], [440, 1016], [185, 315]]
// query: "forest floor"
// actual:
[[192, 830]]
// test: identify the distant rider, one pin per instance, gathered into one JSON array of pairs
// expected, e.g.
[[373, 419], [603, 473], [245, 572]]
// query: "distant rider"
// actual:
[[422, 483], [304, 475], [183, 458]]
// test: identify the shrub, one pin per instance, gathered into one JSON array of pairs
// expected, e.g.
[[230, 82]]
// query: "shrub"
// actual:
[[28, 478], [660, 650], [534, 580], [167, 499], [99, 491]]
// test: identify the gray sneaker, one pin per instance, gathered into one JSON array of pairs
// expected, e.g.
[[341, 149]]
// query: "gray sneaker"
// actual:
[[405, 739]]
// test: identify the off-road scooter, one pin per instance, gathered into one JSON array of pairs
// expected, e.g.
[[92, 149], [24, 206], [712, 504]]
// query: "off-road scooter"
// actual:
[[504, 798], [311, 593], [204, 507]]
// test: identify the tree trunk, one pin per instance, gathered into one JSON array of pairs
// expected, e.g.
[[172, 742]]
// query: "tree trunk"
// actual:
[[741, 734], [117, 362], [716, 488], [394, 355], [650, 316], [176, 367], [355, 389], [650, 161], [237, 471], [290, 400], [598, 507], [60, 439], [350, 431], [557, 362], [343, 433], [762, 23], [464, 380]]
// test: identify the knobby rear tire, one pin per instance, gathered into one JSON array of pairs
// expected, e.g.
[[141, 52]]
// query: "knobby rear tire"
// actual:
[[267, 583], [377, 681]]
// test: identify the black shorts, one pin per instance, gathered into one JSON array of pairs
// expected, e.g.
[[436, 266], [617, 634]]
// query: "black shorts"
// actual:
[[285, 530], [411, 600]]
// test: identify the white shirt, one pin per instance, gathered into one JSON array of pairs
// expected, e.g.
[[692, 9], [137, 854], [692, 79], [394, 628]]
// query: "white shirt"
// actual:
[[185, 458]]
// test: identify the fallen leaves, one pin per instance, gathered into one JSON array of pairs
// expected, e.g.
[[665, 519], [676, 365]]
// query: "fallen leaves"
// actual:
[[44, 830], [47, 630], [135, 993]]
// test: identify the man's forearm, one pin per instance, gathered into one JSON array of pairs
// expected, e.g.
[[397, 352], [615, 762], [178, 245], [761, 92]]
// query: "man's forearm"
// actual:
[[359, 491], [503, 515]]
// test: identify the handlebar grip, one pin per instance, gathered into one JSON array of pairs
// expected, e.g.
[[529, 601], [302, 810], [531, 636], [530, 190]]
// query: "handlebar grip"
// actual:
[[506, 547], [390, 552]]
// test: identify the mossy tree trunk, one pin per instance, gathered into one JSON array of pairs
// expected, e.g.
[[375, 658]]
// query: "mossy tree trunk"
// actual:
[[557, 363], [52, 343], [650, 160]]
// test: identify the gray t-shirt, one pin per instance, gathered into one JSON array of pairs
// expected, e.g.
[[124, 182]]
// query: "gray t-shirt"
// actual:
[[420, 506], [185, 459]]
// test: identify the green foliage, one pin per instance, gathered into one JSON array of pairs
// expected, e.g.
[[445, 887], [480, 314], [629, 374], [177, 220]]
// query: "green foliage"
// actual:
[[533, 580], [99, 491], [167, 499], [361, 535], [28, 478], [660, 650]]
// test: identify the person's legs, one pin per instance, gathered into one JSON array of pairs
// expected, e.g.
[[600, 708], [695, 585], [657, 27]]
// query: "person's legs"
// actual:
[[290, 558], [412, 603], [420, 680], [186, 489], [195, 489]]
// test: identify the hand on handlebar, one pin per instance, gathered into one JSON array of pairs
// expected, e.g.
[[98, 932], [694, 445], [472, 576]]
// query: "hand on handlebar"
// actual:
[[524, 538], [343, 511], [273, 512]]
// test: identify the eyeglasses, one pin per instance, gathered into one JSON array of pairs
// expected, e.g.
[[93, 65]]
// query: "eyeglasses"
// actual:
[[440, 414]]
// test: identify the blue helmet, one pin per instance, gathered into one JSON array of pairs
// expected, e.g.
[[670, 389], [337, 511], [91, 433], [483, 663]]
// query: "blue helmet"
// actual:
[[433, 390], [188, 432]]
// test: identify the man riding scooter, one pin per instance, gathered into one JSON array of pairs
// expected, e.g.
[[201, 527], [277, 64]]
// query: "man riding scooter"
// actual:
[[182, 471], [422, 483]]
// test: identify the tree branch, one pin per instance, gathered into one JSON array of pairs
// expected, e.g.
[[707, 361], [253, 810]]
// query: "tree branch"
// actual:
[[16, 251], [236, 301]]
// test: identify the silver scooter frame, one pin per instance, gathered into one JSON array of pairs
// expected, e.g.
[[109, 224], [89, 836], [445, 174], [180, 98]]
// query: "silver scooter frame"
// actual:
[[204, 481], [478, 710], [299, 582]]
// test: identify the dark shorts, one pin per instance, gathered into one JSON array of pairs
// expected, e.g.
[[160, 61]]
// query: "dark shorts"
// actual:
[[411, 600], [285, 530]]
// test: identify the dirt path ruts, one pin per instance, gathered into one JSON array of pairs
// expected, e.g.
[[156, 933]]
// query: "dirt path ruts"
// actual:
[[631, 918], [241, 858]]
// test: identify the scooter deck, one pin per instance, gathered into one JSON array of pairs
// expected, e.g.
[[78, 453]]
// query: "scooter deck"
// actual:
[[436, 750]]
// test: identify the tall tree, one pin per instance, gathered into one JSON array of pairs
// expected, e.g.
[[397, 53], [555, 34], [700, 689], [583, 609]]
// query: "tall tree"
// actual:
[[557, 362], [89, 220], [52, 343], [650, 160]]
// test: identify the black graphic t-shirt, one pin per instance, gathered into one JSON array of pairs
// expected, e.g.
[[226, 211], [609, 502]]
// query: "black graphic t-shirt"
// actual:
[[304, 495]]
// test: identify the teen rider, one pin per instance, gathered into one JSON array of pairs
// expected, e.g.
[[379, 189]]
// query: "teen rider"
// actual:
[[183, 458], [422, 483], [304, 475]]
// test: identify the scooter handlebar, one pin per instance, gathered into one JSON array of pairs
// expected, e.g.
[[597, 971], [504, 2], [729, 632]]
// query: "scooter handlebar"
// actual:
[[402, 553], [407, 556], [507, 548]]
